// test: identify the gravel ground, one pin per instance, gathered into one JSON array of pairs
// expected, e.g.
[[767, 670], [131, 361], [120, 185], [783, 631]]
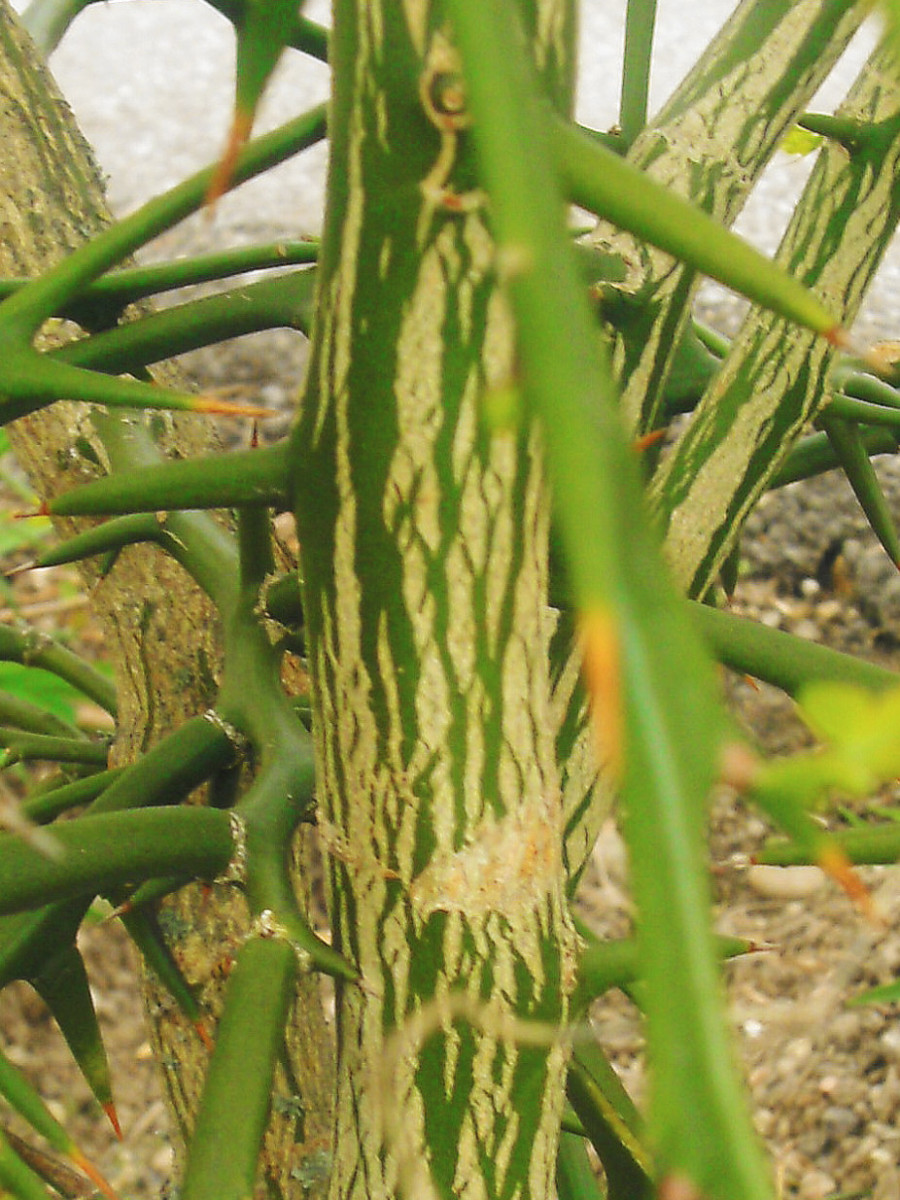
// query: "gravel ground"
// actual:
[[825, 1078]]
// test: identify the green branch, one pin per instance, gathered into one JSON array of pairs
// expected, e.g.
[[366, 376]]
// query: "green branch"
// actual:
[[780, 658], [100, 853], [34, 649], [101, 303], [640, 19], [220, 481], [284, 302], [237, 1092], [31, 747]]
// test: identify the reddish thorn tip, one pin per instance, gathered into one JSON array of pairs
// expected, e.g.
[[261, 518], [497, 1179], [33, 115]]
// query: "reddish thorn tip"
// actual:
[[203, 1034], [112, 1116], [223, 176], [837, 336], [649, 439], [87, 1167]]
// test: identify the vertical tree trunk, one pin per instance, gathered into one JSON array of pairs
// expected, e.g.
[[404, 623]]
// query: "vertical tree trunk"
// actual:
[[710, 143], [775, 379], [424, 548]]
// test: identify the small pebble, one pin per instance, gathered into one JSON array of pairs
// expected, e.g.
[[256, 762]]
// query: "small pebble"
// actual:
[[785, 883]]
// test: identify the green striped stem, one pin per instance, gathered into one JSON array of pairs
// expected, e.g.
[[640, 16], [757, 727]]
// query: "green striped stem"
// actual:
[[665, 779], [227, 1137], [423, 545], [100, 853], [774, 379], [892, 9], [709, 144], [34, 649]]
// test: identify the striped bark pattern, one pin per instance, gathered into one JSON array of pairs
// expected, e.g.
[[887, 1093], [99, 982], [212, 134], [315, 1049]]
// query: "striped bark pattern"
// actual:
[[775, 377], [710, 143], [424, 553]]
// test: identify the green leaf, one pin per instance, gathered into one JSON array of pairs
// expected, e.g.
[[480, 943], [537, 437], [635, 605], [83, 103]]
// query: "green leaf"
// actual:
[[800, 141], [888, 993], [41, 688], [859, 726]]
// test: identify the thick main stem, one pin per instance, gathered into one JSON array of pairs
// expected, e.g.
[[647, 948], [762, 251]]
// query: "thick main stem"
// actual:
[[424, 540]]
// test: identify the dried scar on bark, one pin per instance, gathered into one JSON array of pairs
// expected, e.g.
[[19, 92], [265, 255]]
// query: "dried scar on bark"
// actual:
[[505, 864]]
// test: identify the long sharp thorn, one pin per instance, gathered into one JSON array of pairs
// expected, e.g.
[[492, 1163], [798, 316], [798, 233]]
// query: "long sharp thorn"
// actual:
[[602, 672], [85, 1165], [209, 403], [835, 864], [224, 173], [203, 1034]]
